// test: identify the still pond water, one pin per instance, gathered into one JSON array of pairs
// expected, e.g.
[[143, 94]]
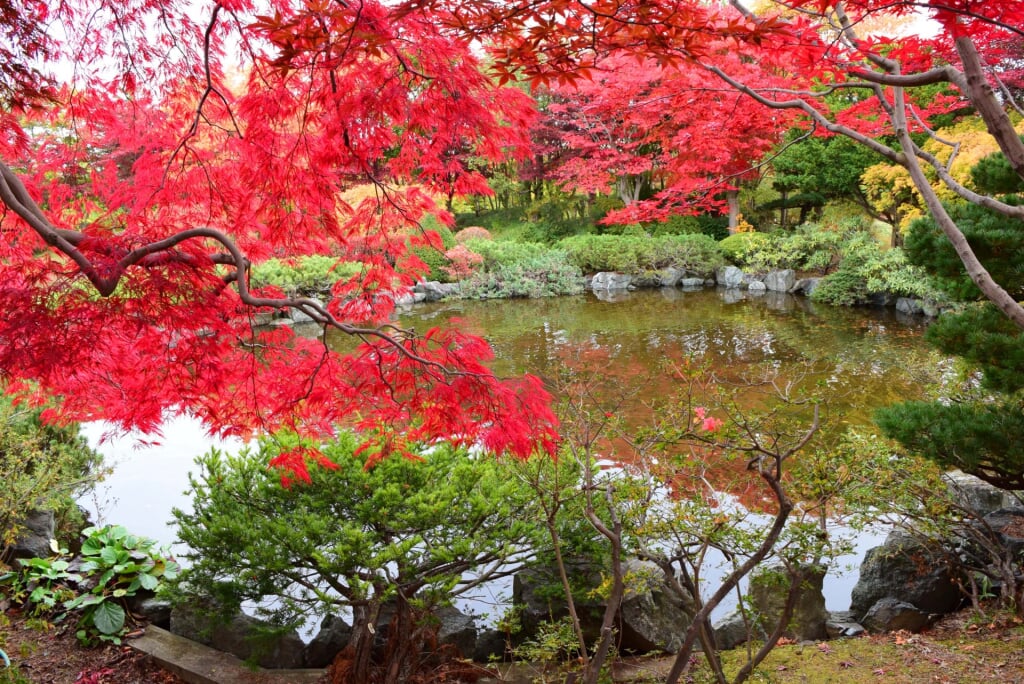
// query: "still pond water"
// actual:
[[869, 357]]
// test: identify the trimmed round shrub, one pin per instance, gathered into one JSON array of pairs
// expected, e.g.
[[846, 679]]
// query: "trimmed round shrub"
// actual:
[[472, 233], [636, 254], [740, 248]]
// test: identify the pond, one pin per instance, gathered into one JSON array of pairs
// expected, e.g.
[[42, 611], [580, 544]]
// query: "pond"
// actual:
[[869, 358]]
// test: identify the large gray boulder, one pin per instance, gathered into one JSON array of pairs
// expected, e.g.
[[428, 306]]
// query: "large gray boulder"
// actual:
[[730, 277], [609, 280], [333, 636], [434, 291], [805, 286], [1008, 525], [653, 616], [692, 283], [37, 530], [909, 306], [537, 597], [244, 636], [891, 615], [732, 631], [780, 281], [299, 316], [907, 569], [978, 496], [456, 629], [843, 623], [491, 645], [769, 587], [670, 277]]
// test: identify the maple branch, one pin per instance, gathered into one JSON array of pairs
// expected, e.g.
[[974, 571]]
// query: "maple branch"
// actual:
[[814, 114], [975, 269], [984, 100], [944, 74], [15, 196]]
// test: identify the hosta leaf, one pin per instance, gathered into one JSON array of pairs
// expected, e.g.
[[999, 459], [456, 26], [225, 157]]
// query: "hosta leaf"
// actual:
[[108, 618]]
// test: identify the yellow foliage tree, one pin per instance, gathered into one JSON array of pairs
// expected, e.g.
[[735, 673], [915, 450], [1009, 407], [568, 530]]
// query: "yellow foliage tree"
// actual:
[[890, 191]]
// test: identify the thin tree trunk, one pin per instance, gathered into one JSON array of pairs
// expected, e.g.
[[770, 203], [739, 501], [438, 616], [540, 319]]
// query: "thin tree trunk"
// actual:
[[733, 198]]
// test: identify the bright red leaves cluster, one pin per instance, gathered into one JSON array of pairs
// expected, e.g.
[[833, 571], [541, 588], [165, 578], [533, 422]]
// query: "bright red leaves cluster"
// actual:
[[194, 138]]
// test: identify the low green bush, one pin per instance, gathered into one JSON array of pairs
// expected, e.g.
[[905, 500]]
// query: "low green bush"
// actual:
[[675, 225], [303, 276], [42, 467], [866, 269], [635, 254], [602, 204], [809, 247], [494, 220], [434, 258], [740, 248], [532, 273], [504, 253], [716, 227]]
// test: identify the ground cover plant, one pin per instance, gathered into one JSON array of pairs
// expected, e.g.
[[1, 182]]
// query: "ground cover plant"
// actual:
[[95, 587]]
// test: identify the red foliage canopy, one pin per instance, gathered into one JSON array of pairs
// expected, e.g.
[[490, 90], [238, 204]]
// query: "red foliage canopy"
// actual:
[[632, 122], [187, 140]]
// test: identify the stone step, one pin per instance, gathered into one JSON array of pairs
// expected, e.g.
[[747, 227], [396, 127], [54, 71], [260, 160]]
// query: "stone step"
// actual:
[[198, 664]]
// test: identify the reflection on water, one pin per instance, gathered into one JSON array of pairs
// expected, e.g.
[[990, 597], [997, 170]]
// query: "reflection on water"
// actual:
[[869, 359]]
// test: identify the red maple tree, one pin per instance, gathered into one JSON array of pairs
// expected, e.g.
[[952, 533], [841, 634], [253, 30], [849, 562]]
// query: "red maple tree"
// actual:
[[186, 142], [633, 125]]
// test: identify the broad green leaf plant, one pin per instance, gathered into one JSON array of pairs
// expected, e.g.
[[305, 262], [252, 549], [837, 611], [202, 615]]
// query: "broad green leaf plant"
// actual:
[[113, 567]]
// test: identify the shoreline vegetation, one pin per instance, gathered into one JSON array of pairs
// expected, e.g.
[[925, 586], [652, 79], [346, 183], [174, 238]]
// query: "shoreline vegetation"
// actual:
[[848, 264]]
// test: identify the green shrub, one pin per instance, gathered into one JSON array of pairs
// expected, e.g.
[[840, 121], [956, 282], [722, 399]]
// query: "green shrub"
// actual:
[[676, 225], [842, 288], [740, 248], [502, 253], [632, 229], [359, 534], [634, 254], [866, 269], [434, 258], [493, 221], [545, 274], [42, 467], [303, 276], [808, 248], [716, 227], [602, 204]]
